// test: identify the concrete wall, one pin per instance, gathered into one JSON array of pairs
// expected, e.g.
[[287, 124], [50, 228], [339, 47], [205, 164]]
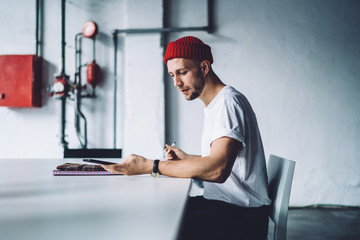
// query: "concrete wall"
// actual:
[[296, 61]]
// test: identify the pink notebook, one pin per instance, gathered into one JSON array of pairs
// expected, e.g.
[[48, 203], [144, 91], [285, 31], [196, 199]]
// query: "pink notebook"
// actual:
[[82, 173], [75, 169]]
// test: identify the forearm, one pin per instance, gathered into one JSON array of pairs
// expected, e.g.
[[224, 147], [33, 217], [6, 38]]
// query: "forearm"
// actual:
[[191, 156], [203, 168]]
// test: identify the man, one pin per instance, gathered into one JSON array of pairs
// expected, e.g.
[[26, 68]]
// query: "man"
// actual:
[[231, 167]]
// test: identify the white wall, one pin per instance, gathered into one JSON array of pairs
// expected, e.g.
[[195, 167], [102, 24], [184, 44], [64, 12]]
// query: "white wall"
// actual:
[[296, 61], [143, 86]]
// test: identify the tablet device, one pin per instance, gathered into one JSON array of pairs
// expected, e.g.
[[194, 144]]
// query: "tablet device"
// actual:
[[98, 161]]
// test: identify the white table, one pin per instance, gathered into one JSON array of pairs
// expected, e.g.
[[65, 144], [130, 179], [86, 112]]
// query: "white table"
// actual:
[[36, 205]]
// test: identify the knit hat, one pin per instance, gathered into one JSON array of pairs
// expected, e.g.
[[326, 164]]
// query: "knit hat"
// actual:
[[188, 47]]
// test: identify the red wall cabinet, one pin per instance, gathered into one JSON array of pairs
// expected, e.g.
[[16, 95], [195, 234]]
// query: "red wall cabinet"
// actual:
[[20, 81]]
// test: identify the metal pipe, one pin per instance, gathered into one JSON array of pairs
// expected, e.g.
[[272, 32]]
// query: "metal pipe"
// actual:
[[83, 142], [79, 114], [62, 74], [37, 28], [78, 93], [115, 83], [77, 83], [161, 30], [94, 48], [63, 122], [210, 13], [78, 38], [62, 20]]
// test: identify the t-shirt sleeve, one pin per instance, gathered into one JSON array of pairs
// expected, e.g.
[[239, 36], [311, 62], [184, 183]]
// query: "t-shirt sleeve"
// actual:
[[229, 122]]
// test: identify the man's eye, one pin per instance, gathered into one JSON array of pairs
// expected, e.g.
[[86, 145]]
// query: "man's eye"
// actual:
[[182, 73]]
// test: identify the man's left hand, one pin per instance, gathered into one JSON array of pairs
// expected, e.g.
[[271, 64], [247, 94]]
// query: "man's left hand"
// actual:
[[132, 165]]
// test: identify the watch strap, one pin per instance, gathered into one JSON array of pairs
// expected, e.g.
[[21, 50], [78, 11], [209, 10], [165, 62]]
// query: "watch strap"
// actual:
[[155, 171]]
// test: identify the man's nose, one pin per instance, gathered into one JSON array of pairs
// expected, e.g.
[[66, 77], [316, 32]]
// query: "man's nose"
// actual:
[[177, 81]]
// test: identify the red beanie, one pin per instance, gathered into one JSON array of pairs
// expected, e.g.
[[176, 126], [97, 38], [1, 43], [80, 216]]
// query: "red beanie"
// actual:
[[188, 47]]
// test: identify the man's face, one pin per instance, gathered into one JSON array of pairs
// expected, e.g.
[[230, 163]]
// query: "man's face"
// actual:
[[187, 76]]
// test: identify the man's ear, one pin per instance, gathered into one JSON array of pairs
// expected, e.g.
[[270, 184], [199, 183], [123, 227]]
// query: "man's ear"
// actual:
[[205, 67]]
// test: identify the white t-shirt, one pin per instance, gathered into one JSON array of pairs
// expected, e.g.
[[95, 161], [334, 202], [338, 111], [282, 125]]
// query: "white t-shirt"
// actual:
[[230, 114]]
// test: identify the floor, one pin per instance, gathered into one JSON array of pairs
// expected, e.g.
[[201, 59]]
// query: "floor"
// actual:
[[323, 223]]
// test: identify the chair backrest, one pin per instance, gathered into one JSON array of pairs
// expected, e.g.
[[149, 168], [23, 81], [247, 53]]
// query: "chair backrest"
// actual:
[[280, 175]]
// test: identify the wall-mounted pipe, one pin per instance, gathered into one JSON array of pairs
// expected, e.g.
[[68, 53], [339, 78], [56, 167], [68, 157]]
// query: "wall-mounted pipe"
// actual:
[[77, 93], [78, 38], [161, 30], [62, 28], [62, 74], [210, 16], [209, 28], [115, 39], [37, 42]]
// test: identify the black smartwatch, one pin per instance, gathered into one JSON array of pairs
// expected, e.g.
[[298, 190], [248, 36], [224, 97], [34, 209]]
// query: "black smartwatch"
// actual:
[[155, 172]]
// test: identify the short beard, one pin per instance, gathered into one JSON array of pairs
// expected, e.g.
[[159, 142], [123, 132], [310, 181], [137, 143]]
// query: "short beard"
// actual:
[[198, 87]]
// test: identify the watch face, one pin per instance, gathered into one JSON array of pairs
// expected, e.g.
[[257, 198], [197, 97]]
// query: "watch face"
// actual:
[[154, 174]]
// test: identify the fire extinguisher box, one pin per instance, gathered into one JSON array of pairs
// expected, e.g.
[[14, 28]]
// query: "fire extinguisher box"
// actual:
[[20, 81]]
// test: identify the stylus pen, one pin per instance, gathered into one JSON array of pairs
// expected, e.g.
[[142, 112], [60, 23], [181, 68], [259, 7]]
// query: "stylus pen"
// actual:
[[167, 152]]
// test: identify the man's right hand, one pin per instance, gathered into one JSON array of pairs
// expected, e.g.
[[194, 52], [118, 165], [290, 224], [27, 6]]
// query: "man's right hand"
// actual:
[[175, 153]]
